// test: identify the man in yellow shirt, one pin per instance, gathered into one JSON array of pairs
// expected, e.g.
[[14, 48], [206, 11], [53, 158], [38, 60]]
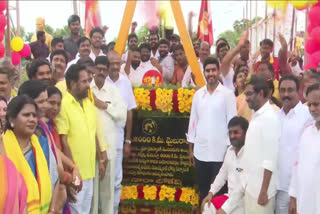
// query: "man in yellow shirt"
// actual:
[[77, 126]]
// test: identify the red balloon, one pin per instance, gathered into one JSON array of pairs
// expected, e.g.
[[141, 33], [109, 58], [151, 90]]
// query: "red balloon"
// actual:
[[308, 66], [310, 28], [315, 33], [315, 58], [15, 58], [26, 51], [314, 16], [2, 50], [3, 5], [312, 46], [3, 21], [1, 36]]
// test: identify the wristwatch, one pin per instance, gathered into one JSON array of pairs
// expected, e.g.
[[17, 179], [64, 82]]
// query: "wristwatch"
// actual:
[[128, 141]]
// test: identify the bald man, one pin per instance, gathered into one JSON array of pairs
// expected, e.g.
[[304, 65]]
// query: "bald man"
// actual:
[[123, 144], [40, 24], [204, 52]]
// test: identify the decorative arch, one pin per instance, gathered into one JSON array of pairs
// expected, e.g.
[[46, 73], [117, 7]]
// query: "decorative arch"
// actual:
[[182, 29]]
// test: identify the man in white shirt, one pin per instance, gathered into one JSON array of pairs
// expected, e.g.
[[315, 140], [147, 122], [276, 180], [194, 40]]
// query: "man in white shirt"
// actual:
[[305, 186], [132, 44], [153, 41], [293, 117], [124, 86], [213, 106], [230, 170], [115, 113], [259, 160], [136, 75], [226, 75], [166, 61], [96, 37], [84, 49], [58, 60]]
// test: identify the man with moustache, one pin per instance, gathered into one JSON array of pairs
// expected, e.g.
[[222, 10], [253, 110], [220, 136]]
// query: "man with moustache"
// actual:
[[182, 75], [96, 38], [115, 113], [146, 64], [76, 124], [84, 49], [174, 41], [259, 160], [132, 44], [166, 61], [304, 186], [123, 84], [293, 117], [58, 59], [213, 106], [153, 41], [230, 170]]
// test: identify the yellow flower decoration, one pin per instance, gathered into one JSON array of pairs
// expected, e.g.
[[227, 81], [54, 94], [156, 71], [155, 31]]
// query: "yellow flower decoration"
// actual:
[[150, 192], [142, 97], [186, 195], [166, 193], [164, 99], [185, 97], [129, 192], [194, 200]]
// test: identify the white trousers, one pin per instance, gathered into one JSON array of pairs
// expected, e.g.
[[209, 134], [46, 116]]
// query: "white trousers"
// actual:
[[251, 205], [84, 198], [103, 190], [117, 181], [282, 202]]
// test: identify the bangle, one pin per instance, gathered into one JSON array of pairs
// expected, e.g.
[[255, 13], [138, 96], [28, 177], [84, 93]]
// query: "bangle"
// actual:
[[128, 141], [102, 161]]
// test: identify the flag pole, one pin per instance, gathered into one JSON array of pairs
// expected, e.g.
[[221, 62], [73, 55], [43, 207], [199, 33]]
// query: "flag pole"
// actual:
[[267, 20], [8, 49], [292, 27]]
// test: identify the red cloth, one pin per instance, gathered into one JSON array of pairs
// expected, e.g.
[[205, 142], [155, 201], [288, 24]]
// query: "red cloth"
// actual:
[[219, 201], [92, 16], [205, 32]]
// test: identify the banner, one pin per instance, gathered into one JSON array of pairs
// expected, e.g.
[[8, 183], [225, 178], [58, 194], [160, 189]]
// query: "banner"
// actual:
[[205, 32], [92, 16]]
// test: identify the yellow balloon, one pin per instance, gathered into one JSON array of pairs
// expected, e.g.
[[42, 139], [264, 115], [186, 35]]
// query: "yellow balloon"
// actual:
[[299, 4], [277, 4], [17, 44]]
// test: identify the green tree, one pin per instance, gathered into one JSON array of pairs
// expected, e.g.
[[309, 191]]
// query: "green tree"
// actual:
[[239, 26]]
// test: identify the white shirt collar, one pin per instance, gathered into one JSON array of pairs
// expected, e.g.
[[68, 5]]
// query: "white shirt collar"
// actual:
[[294, 110], [262, 109]]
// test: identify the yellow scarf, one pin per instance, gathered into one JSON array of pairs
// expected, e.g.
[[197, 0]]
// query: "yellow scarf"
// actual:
[[39, 192]]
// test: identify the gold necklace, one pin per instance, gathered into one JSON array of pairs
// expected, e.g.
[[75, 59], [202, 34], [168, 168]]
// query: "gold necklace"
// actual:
[[26, 148]]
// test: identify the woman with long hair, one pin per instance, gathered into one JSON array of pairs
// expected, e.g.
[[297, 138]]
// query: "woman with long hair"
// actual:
[[23, 149]]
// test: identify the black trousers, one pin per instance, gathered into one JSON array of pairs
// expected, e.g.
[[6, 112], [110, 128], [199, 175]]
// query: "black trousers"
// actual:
[[206, 173]]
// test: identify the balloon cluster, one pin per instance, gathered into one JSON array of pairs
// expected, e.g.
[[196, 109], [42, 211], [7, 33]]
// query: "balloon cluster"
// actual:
[[3, 24], [312, 45], [19, 49], [299, 5]]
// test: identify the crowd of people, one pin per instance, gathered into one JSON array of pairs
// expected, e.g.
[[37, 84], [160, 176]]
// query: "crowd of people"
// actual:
[[66, 130]]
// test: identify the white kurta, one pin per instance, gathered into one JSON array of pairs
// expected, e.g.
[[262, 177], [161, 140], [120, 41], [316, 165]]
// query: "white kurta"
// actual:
[[305, 181]]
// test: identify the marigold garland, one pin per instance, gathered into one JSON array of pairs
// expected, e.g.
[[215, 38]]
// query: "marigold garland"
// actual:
[[142, 97], [161, 193], [164, 99], [185, 97]]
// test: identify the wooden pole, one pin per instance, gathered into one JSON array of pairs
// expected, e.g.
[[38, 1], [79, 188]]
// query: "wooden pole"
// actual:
[[267, 20], [292, 28], [274, 26], [257, 26], [8, 49], [75, 7], [18, 17]]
